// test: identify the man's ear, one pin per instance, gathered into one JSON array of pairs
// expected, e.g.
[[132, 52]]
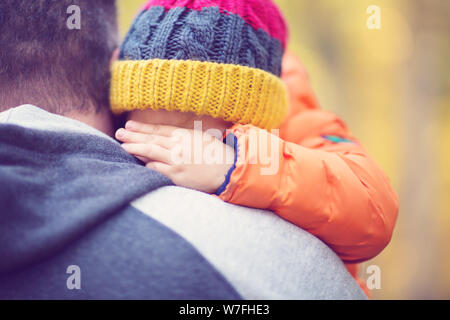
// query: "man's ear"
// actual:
[[114, 56]]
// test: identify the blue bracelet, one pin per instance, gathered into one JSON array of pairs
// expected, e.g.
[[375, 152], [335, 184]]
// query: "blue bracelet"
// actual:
[[228, 176]]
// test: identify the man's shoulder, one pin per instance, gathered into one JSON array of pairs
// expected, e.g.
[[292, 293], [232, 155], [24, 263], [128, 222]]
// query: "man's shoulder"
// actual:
[[262, 255]]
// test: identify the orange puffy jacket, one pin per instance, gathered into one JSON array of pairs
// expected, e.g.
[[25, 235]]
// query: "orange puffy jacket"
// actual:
[[326, 184]]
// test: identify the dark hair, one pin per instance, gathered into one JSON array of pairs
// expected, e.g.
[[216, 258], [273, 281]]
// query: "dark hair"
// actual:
[[44, 60]]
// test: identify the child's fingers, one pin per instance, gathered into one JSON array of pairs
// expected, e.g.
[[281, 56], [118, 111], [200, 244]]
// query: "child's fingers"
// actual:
[[137, 137], [163, 168], [131, 137], [147, 150], [155, 129]]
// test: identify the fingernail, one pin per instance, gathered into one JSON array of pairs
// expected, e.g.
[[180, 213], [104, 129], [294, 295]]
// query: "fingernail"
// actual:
[[130, 125], [120, 133]]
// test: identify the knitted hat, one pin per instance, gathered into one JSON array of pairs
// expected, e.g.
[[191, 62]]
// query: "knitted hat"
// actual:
[[219, 58]]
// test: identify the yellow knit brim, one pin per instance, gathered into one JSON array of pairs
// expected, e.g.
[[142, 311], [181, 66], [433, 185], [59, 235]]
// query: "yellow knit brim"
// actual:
[[233, 93]]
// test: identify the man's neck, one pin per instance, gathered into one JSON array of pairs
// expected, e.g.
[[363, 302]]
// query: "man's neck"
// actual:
[[101, 121]]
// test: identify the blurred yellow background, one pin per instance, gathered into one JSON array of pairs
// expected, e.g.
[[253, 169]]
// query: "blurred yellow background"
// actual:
[[391, 86]]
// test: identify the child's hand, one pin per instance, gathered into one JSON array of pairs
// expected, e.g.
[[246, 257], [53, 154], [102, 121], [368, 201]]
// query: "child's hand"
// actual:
[[191, 159]]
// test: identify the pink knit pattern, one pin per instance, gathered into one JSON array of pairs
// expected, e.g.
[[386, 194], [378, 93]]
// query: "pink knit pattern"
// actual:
[[260, 14]]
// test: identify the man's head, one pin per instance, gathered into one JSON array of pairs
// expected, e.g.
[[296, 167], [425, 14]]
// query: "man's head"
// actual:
[[46, 62]]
